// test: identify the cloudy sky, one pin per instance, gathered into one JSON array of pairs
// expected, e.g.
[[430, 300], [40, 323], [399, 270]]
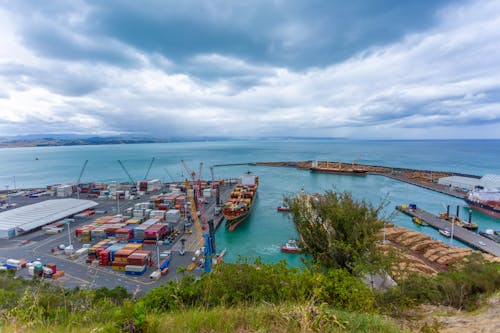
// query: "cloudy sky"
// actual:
[[332, 68]]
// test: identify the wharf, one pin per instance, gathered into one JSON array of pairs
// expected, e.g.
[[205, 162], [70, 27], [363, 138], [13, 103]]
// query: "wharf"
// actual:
[[428, 185], [464, 235], [192, 243]]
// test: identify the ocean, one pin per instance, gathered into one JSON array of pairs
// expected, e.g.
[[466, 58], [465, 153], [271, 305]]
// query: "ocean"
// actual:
[[263, 233]]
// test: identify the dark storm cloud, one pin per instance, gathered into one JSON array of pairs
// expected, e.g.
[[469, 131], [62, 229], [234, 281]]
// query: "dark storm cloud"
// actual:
[[59, 79], [295, 34]]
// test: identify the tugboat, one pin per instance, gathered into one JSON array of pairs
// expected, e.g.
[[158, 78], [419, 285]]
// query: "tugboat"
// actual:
[[290, 246]]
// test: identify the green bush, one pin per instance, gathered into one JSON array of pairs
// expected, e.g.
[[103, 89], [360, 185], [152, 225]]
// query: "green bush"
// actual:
[[463, 287], [343, 291]]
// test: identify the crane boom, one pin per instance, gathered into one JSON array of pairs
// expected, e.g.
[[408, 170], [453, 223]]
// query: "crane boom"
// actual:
[[168, 173], [149, 168], [125, 170], [81, 172]]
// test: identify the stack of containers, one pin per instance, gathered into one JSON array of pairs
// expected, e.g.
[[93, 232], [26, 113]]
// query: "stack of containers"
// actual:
[[121, 256], [135, 270], [133, 221], [83, 232], [138, 262], [143, 186], [98, 233], [170, 200], [140, 229], [154, 232], [173, 216], [180, 202], [111, 229], [104, 258], [157, 214], [94, 251], [154, 185], [124, 234], [113, 249]]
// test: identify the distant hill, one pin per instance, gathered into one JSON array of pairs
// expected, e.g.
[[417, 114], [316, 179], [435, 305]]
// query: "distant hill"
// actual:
[[61, 140]]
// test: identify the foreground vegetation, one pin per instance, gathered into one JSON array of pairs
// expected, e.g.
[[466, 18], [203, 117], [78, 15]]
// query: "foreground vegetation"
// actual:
[[241, 297], [327, 296]]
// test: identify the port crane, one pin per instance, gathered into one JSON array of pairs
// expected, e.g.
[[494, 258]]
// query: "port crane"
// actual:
[[215, 187], [134, 184], [80, 178], [149, 168], [168, 173], [126, 172], [205, 237]]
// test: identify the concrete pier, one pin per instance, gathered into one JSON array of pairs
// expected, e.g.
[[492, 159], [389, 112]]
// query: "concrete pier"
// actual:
[[464, 235]]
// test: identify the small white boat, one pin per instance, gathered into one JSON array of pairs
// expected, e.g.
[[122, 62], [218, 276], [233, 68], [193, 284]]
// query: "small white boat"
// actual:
[[445, 233]]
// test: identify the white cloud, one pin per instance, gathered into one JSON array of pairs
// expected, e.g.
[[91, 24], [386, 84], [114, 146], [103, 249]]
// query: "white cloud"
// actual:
[[443, 82]]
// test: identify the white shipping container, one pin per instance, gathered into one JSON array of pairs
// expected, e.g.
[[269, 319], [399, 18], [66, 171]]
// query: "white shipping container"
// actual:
[[64, 190], [134, 268], [82, 251], [207, 193], [173, 216]]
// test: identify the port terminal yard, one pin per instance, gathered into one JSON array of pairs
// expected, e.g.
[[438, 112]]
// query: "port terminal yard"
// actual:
[[37, 245]]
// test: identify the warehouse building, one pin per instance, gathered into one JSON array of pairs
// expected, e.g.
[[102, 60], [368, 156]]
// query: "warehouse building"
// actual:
[[23, 219], [489, 181]]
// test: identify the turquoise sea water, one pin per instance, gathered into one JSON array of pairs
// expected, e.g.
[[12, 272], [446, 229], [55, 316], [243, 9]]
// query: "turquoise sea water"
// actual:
[[266, 229]]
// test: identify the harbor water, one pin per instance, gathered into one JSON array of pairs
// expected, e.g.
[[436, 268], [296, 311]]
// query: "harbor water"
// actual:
[[266, 229]]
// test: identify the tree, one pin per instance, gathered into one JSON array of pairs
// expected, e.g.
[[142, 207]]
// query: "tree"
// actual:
[[336, 230]]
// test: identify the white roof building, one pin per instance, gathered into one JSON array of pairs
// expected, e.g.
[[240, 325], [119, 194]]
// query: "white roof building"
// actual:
[[488, 181], [26, 218]]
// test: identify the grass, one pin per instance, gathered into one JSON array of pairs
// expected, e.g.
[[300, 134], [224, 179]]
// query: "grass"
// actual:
[[268, 319]]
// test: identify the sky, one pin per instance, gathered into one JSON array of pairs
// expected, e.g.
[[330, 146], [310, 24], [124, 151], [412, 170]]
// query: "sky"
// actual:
[[387, 69]]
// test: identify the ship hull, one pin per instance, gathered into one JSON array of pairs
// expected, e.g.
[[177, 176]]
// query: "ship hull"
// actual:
[[289, 250], [233, 219], [488, 210], [233, 222], [340, 172]]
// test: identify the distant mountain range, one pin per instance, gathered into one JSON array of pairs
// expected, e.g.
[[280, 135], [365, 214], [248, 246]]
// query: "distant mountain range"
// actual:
[[45, 140], [70, 140]]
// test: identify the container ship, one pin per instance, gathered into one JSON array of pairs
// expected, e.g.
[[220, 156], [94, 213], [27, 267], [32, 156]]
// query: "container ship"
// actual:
[[239, 206], [485, 201]]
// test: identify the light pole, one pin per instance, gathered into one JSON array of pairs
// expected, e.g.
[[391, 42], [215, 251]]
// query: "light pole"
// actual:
[[69, 234]]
